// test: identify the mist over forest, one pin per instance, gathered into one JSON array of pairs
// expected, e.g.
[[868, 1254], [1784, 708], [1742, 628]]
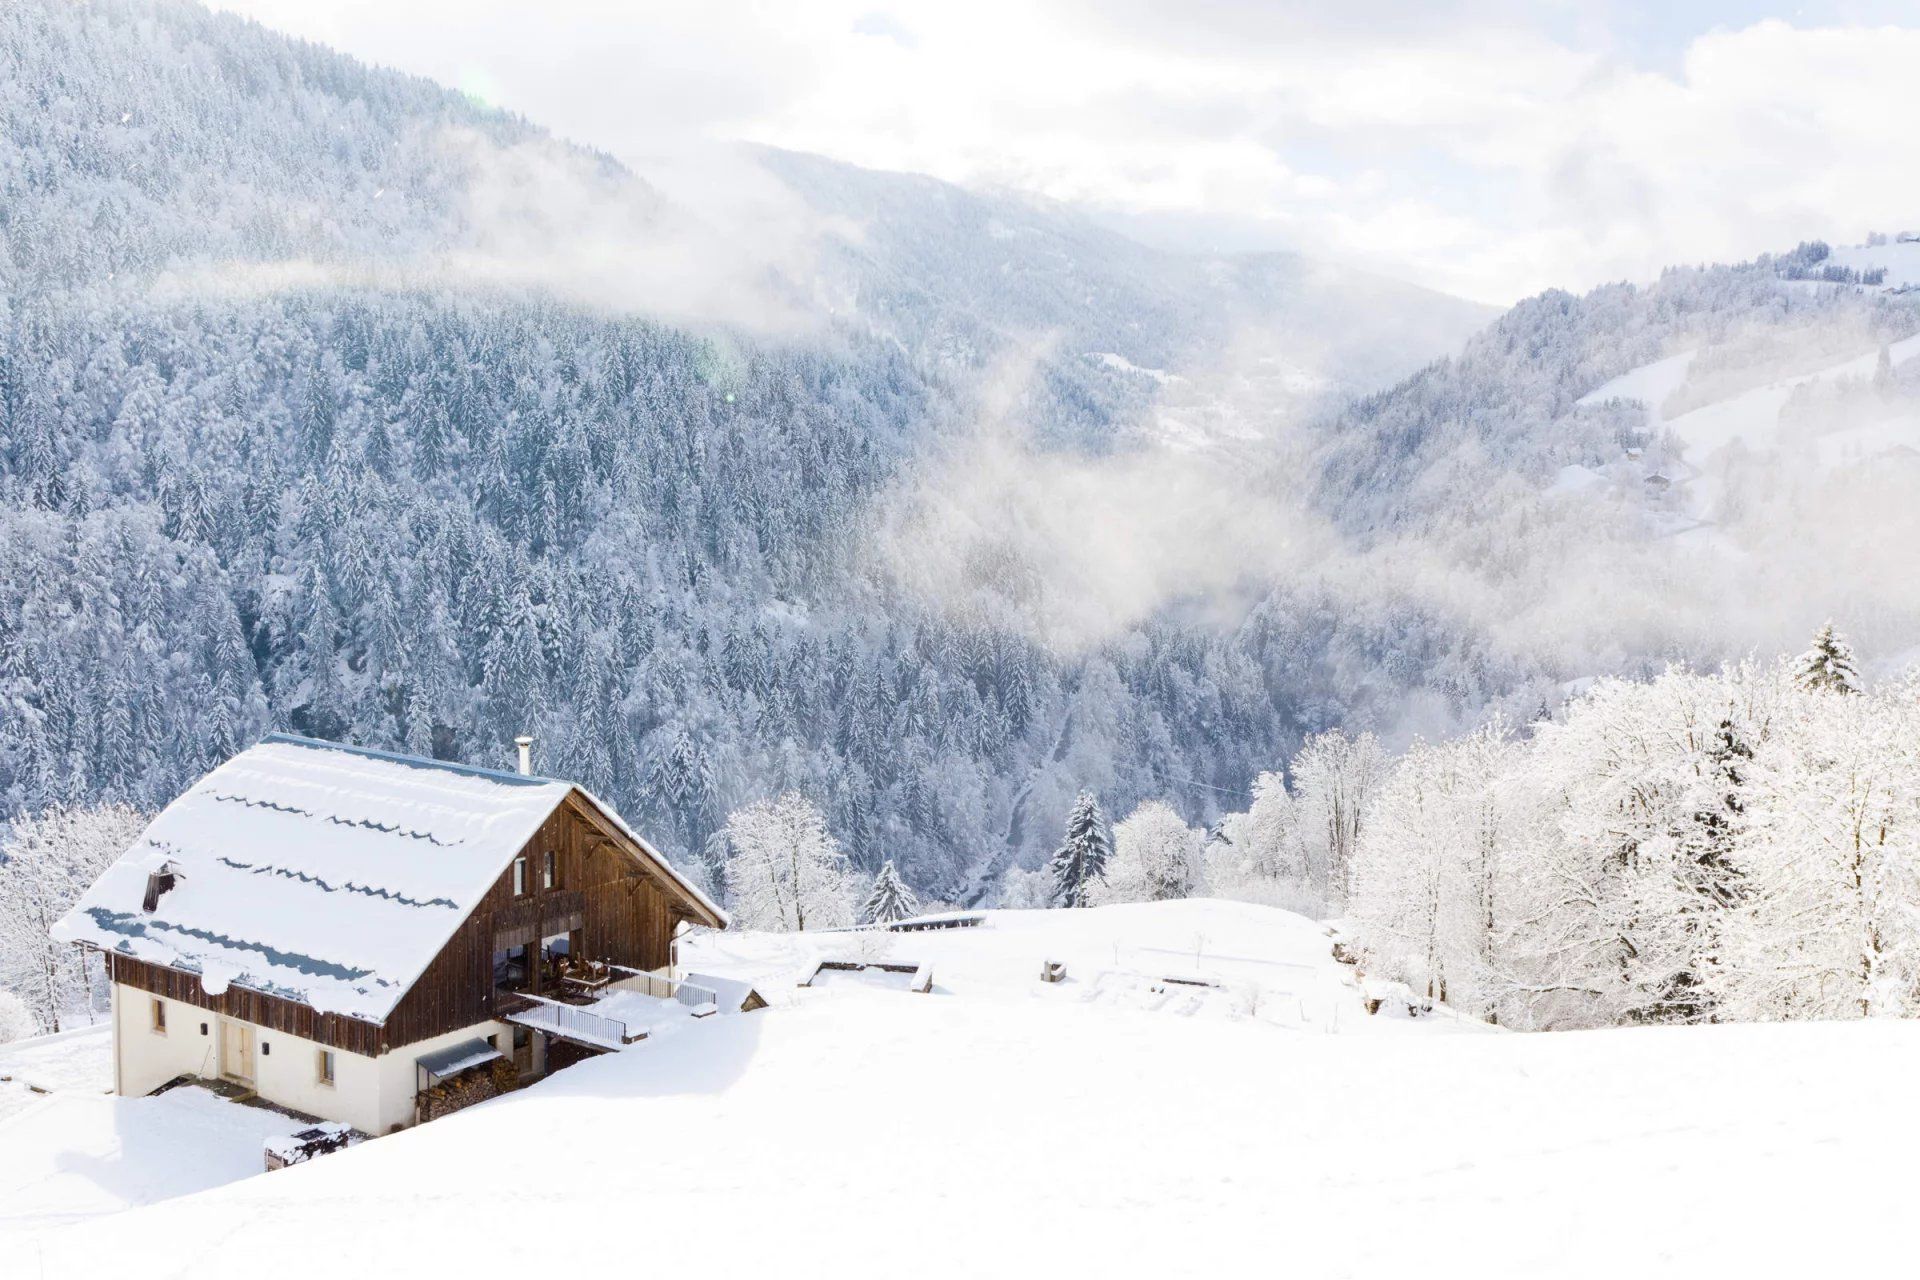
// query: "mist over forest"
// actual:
[[333, 402]]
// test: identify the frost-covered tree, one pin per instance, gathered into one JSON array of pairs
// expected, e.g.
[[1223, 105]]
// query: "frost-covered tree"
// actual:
[[1829, 927], [1433, 866], [1694, 847], [16, 1023], [783, 870], [1828, 664], [47, 861], [1080, 862], [889, 898], [1026, 890], [1156, 856], [1334, 777]]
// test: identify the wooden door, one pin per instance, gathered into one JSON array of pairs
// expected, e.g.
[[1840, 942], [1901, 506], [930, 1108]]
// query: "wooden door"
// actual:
[[236, 1051]]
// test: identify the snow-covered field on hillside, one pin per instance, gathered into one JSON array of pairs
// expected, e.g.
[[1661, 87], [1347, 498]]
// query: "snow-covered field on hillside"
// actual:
[[1200, 958], [76, 1157], [69, 1151], [1900, 259], [79, 1060], [1002, 1125], [1753, 419]]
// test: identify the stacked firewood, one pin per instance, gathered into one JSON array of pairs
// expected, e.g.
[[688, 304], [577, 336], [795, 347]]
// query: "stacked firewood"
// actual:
[[467, 1088]]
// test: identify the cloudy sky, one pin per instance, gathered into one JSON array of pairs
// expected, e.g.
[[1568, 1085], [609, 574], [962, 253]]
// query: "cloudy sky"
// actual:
[[1490, 148]]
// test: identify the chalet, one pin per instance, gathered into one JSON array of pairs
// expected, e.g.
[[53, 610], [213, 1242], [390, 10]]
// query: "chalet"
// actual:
[[341, 931]]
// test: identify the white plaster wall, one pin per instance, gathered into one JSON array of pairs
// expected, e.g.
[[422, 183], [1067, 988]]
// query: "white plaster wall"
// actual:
[[148, 1059], [286, 1072], [374, 1095], [399, 1076]]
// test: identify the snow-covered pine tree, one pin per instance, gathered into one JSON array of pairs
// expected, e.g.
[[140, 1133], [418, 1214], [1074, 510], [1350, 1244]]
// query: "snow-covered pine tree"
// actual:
[[1082, 857], [1709, 874], [889, 899], [1827, 665]]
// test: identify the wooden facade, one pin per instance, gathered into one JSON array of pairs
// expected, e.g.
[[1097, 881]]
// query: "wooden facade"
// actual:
[[609, 895]]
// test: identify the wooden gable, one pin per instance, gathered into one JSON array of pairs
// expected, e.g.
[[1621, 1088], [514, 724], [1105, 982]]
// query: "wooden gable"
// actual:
[[609, 891]]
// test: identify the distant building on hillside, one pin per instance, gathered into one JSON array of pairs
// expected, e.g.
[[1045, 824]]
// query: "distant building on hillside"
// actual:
[[370, 938]]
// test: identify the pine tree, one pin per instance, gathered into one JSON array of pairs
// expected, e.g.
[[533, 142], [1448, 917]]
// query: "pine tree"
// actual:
[[1082, 859], [1828, 665], [1709, 875], [890, 899]]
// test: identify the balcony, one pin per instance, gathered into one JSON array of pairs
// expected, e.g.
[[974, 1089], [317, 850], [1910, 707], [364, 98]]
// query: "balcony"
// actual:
[[621, 1009]]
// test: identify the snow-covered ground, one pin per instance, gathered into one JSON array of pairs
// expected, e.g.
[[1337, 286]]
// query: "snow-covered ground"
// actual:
[[1251, 962], [76, 1156], [69, 1151], [75, 1061], [992, 1126]]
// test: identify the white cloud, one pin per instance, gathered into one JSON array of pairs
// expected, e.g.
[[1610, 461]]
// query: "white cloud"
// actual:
[[1487, 148]]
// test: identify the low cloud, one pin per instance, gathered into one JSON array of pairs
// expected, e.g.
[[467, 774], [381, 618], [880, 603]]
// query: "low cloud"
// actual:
[[1807, 518], [1077, 549], [704, 239]]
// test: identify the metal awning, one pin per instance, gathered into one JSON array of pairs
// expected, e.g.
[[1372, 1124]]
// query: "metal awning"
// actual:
[[455, 1058]]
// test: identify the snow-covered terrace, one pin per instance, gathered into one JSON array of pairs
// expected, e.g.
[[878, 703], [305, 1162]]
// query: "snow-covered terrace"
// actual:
[[636, 1006]]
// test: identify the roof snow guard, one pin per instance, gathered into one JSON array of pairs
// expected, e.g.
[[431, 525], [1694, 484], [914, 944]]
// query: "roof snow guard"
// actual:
[[323, 874]]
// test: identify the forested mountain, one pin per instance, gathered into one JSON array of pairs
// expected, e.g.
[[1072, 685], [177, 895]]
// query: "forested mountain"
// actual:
[[333, 402]]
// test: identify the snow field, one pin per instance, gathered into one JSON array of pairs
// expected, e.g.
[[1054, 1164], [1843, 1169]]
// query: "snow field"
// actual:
[[76, 1156], [875, 1132], [79, 1060], [1001, 1124]]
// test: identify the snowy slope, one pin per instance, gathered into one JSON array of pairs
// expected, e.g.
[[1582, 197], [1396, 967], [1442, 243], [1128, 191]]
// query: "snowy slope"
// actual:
[[1752, 419], [1201, 957], [79, 1061], [976, 1131], [74, 1158], [1900, 259]]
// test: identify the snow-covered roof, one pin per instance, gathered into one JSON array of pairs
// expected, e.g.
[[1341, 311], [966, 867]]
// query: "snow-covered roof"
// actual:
[[455, 1058], [730, 994], [320, 873]]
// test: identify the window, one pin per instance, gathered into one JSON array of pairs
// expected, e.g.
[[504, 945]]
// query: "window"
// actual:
[[519, 876], [551, 875], [510, 971], [325, 1068], [160, 1017]]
